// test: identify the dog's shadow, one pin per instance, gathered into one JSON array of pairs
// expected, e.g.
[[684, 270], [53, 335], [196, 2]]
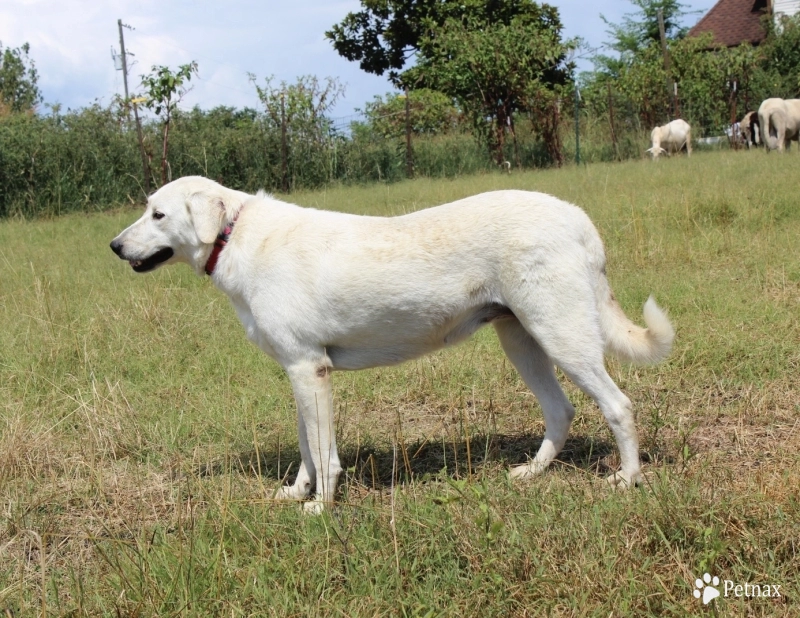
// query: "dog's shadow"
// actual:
[[378, 466]]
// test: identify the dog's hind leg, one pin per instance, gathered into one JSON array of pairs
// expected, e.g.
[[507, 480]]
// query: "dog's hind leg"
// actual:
[[616, 407], [311, 383], [569, 333], [536, 370]]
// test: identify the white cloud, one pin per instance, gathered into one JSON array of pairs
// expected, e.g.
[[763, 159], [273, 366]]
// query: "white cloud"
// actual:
[[71, 42]]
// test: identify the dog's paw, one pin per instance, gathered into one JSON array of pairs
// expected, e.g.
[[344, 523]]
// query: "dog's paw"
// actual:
[[622, 481], [532, 468], [313, 507], [290, 492]]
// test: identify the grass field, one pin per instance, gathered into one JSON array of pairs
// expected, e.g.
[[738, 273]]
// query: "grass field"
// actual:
[[142, 438]]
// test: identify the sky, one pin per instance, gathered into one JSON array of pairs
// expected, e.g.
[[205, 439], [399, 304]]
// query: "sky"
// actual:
[[71, 42]]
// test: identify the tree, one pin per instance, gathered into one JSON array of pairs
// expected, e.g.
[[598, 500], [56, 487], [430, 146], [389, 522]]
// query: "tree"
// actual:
[[638, 74], [386, 33], [705, 74], [19, 90], [495, 70], [639, 30], [298, 111], [165, 90], [780, 55], [495, 58], [430, 113]]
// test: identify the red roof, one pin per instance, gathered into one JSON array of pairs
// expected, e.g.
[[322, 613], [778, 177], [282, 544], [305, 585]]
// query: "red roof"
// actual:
[[733, 22]]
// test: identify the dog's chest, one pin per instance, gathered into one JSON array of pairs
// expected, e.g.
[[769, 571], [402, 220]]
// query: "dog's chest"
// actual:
[[250, 327]]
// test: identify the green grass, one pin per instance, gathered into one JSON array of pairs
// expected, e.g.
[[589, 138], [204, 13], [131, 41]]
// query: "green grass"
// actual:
[[142, 437]]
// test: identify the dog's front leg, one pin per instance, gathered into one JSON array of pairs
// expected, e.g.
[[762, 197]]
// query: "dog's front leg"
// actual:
[[306, 475], [311, 383]]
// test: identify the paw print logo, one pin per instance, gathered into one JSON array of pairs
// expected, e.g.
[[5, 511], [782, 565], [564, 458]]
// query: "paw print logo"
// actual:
[[707, 587]]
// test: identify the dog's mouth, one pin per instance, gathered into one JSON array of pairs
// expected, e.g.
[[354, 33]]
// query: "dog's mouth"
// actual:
[[160, 256]]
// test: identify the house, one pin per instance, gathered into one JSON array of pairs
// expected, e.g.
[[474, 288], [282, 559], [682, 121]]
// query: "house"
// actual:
[[733, 22], [784, 8]]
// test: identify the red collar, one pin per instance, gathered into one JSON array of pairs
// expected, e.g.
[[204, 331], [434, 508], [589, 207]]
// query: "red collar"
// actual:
[[219, 245]]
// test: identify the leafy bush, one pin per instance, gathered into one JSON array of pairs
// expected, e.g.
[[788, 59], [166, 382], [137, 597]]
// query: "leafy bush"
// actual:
[[79, 161]]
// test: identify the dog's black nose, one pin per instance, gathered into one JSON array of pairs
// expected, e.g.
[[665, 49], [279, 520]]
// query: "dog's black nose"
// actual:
[[116, 247]]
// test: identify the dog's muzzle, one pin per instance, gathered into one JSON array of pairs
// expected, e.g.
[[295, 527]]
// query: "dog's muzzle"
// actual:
[[146, 264]]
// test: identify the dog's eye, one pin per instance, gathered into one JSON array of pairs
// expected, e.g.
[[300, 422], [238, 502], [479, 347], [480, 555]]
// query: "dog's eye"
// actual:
[[158, 215]]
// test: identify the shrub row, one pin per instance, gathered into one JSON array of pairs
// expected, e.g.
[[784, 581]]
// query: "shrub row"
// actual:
[[89, 159]]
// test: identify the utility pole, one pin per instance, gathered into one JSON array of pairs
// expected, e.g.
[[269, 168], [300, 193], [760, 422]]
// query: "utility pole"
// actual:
[[124, 61], [145, 166], [665, 52]]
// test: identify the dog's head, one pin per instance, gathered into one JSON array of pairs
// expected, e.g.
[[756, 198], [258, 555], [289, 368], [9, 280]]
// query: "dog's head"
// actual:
[[180, 224]]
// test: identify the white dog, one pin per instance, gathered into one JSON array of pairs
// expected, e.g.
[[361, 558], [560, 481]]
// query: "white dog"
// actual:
[[322, 291]]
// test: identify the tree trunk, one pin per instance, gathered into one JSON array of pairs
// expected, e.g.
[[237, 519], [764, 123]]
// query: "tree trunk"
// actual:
[[546, 109], [517, 160], [500, 136]]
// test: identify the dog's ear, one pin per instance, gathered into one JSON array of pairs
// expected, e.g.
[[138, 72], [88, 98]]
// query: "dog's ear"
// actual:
[[207, 215]]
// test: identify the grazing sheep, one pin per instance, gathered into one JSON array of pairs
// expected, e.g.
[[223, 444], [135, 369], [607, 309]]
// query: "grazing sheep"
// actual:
[[749, 129], [780, 123], [671, 137]]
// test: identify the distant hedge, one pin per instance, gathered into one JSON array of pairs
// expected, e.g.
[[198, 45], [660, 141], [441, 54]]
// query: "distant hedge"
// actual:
[[89, 160]]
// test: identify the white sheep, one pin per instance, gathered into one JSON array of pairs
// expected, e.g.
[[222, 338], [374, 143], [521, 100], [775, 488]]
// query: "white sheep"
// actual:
[[780, 123], [671, 137]]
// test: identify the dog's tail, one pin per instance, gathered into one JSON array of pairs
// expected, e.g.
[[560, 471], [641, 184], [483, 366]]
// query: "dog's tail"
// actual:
[[629, 342]]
